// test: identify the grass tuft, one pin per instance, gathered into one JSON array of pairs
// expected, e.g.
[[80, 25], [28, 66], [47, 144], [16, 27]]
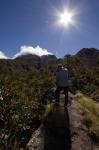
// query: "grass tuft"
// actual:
[[90, 110]]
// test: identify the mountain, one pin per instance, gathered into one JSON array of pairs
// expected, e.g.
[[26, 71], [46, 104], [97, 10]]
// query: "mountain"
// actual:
[[48, 57], [86, 57], [88, 52], [25, 64], [28, 56], [37, 61], [91, 54], [43, 57]]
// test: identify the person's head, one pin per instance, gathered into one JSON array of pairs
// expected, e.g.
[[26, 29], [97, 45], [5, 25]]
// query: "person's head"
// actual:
[[60, 66]]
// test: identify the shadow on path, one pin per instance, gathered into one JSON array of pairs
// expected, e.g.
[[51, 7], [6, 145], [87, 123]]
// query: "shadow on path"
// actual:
[[57, 131]]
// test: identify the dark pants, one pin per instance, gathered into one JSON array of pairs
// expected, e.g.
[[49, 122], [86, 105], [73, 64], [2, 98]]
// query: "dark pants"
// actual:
[[57, 94]]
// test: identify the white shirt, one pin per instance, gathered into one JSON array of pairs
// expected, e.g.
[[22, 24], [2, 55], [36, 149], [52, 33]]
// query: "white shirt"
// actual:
[[62, 77]]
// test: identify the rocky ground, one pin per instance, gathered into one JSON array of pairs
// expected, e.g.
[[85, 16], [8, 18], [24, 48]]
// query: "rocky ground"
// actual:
[[79, 133]]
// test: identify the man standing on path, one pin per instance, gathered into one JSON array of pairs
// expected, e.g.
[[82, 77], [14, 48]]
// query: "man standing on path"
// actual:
[[61, 83]]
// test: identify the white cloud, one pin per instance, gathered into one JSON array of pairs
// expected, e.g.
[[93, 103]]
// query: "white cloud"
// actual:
[[2, 55], [32, 50]]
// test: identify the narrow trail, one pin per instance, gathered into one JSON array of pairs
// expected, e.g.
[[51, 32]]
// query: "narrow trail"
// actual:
[[57, 131], [62, 129]]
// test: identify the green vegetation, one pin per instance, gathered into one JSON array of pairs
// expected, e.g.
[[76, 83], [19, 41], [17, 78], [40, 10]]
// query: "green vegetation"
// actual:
[[26, 86], [84, 75], [90, 111], [22, 105]]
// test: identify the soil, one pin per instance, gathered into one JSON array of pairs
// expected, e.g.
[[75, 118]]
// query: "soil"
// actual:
[[62, 129]]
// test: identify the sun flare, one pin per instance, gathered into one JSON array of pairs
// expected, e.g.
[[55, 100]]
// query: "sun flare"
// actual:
[[65, 18]]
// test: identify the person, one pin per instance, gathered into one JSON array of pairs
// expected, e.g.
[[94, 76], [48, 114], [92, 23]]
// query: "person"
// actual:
[[62, 84]]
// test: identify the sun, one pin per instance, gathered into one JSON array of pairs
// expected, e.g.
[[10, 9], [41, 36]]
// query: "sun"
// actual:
[[65, 18]]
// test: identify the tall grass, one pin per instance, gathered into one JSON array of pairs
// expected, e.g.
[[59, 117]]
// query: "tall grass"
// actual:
[[90, 110]]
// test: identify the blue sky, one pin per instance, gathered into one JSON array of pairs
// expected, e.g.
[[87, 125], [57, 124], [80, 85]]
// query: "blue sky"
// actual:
[[27, 25]]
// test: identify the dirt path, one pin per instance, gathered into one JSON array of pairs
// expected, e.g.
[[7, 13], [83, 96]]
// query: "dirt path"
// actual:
[[62, 129], [57, 132], [79, 132]]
